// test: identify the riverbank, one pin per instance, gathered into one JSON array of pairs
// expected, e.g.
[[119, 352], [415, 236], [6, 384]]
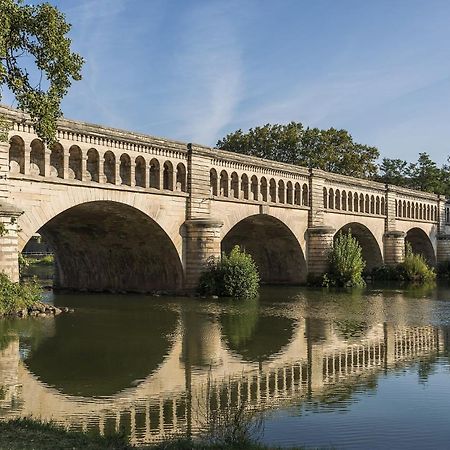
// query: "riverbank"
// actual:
[[25, 434]]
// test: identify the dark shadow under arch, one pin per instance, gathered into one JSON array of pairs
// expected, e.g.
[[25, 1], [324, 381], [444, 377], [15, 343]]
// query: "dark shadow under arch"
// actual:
[[273, 246], [110, 246], [371, 252], [421, 244]]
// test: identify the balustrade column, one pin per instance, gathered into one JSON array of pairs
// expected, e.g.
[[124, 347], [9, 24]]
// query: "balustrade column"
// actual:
[[101, 168], [117, 179], [132, 174], [47, 153], [65, 173], [83, 167]]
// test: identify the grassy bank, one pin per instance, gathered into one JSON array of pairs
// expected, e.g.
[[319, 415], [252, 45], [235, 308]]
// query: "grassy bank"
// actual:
[[24, 434]]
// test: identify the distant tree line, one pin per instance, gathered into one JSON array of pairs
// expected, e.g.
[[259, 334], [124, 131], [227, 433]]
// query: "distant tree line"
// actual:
[[335, 151]]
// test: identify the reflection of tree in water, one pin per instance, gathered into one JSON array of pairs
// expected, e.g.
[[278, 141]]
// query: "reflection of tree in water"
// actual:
[[253, 335], [239, 323], [349, 328], [31, 331]]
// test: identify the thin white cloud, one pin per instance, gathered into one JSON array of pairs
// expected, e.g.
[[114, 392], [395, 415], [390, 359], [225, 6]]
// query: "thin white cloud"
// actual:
[[210, 73]]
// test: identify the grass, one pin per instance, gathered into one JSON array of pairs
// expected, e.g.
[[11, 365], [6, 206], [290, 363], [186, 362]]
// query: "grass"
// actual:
[[26, 434]]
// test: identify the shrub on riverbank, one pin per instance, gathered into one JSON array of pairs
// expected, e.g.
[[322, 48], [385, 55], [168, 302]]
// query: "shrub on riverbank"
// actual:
[[346, 263], [414, 269], [234, 275], [15, 297]]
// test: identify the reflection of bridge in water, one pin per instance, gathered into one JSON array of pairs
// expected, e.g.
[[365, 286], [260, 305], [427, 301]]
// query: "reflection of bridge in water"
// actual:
[[201, 371]]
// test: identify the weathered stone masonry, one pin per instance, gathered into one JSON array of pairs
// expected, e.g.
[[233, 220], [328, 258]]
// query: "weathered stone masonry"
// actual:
[[125, 211]]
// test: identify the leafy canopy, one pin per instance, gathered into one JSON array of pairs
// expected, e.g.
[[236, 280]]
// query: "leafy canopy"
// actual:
[[331, 150], [33, 38]]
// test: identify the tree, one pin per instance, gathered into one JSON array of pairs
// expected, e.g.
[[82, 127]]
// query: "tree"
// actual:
[[331, 150], [39, 34], [425, 175], [393, 171]]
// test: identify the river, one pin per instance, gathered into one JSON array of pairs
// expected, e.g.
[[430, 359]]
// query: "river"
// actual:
[[359, 369]]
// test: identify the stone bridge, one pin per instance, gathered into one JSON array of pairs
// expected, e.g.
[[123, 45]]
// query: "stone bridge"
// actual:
[[125, 211]]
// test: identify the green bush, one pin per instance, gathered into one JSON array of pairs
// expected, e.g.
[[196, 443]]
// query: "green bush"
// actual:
[[346, 263], [415, 269], [17, 296], [234, 275]]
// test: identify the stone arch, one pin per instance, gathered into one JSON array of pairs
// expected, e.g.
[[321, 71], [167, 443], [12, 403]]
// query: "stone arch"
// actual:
[[75, 163], [93, 165], [235, 185], [350, 201], [344, 201], [273, 190], [289, 193], [224, 183], [355, 202], [168, 176], [37, 158], [305, 195], [181, 177], [140, 172], [361, 203], [111, 246], [213, 182], [244, 186], [421, 244], [325, 198], [297, 194], [331, 198], [254, 187], [125, 169], [370, 248], [367, 203], [273, 246], [337, 199], [154, 174], [16, 155], [281, 191], [57, 161], [109, 167], [264, 192]]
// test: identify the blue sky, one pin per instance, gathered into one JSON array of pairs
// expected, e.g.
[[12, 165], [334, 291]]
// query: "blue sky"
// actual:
[[195, 70]]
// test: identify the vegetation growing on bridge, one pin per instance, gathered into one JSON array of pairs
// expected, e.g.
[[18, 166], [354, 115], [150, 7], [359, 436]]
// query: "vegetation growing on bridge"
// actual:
[[414, 269], [234, 275], [346, 263], [15, 297]]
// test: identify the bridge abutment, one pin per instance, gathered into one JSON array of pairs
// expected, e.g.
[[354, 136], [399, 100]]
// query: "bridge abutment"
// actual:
[[443, 248], [394, 247], [319, 244]]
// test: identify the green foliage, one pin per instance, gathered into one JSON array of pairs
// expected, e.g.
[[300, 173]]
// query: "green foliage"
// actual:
[[24, 263], [234, 275], [17, 296], [346, 263], [332, 150], [415, 269], [37, 35]]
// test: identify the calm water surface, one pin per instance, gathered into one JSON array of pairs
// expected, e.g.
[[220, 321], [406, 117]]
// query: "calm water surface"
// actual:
[[346, 370]]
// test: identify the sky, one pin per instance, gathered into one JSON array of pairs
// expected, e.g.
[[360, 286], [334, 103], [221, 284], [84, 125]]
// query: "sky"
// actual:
[[195, 70]]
